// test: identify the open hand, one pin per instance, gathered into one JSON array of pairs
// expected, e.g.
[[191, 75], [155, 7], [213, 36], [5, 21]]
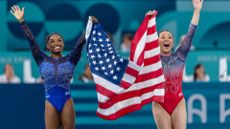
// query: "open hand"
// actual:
[[18, 13]]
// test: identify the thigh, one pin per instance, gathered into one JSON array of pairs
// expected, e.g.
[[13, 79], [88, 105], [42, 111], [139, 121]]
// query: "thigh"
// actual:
[[52, 117], [68, 115], [179, 116], [161, 117]]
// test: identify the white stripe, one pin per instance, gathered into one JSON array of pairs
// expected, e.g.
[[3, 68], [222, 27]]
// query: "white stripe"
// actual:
[[140, 47], [151, 68], [134, 66], [129, 102], [152, 22], [88, 28], [152, 37], [146, 84], [129, 78], [151, 53], [101, 98], [107, 84]]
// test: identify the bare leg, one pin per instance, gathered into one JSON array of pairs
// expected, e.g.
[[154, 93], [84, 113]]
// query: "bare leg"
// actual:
[[52, 117], [161, 117], [68, 115], [179, 116]]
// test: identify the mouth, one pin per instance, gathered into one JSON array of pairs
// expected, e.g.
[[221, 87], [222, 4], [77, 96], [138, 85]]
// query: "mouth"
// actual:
[[166, 44]]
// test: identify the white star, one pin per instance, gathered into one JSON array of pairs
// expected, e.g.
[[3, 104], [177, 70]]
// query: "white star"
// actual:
[[110, 48], [94, 32], [114, 77], [107, 40], [100, 40], [102, 45], [94, 39], [101, 62], [94, 62], [107, 60], [118, 68], [99, 56], [111, 72], [113, 57], [90, 45], [92, 57], [98, 49], [105, 55], [115, 62], [90, 51], [96, 68], [110, 66], [103, 68], [106, 73], [99, 33], [108, 45], [121, 59], [110, 52]]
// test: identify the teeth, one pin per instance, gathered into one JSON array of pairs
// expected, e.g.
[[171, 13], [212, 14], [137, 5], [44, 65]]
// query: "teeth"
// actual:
[[56, 47]]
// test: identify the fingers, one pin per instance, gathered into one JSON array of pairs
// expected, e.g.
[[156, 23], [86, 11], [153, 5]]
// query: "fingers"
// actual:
[[149, 13]]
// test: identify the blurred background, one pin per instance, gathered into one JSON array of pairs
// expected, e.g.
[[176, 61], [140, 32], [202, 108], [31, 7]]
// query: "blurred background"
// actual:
[[206, 76]]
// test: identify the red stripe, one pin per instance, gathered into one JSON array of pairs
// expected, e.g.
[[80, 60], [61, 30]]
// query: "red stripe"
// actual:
[[131, 108], [128, 95], [125, 84], [131, 71], [152, 60], [151, 30], [148, 76], [151, 45], [138, 35], [104, 91]]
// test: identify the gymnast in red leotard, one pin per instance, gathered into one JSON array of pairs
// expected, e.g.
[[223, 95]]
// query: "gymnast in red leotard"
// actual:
[[171, 114]]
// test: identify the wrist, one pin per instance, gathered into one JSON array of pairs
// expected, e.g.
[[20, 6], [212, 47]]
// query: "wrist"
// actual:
[[21, 20]]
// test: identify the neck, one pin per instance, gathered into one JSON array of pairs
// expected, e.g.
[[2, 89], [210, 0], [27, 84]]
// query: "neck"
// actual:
[[165, 54], [56, 55]]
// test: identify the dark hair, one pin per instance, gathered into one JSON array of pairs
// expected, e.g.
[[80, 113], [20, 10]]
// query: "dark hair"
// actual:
[[165, 31], [129, 36], [195, 74], [51, 34]]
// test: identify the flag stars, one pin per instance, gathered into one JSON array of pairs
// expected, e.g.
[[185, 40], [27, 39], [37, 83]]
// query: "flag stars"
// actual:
[[103, 68], [111, 72], [107, 60], [121, 59], [94, 62], [92, 57], [99, 33], [115, 77], [101, 62], [98, 50], [109, 66], [107, 40], [100, 40], [94, 32], [90, 51], [96, 68], [118, 68], [99, 56], [113, 57], [94, 39]]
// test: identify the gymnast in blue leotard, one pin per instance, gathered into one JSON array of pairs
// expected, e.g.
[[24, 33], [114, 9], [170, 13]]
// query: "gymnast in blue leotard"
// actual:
[[56, 70]]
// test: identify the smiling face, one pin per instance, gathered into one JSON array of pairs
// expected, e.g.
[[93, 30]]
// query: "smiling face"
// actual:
[[166, 42], [55, 44]]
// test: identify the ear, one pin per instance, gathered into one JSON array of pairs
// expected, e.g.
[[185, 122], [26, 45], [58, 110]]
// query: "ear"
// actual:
[[48, 47]]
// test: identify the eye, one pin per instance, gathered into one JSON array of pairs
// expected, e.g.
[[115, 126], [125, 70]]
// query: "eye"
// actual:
[[59, 40], [170, 37], [51, 41], [162, 37]]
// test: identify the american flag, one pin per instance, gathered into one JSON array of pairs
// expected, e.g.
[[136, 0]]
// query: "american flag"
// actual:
[[124, 85]]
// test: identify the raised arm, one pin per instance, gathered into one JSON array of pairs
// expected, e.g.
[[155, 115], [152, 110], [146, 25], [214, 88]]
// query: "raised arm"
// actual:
[[184, 47], [75, 55], [36, 52]]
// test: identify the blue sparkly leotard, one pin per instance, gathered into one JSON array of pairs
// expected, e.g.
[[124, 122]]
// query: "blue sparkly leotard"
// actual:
[[56, 72]]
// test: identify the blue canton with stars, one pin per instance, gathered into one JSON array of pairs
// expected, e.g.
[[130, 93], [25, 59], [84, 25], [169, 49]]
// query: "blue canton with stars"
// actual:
[[103, 58]]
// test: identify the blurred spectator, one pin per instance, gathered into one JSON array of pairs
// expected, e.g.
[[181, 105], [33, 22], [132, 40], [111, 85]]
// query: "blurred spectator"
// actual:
[[86, 77], [126, 42], [9, 76], [200, 75]]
